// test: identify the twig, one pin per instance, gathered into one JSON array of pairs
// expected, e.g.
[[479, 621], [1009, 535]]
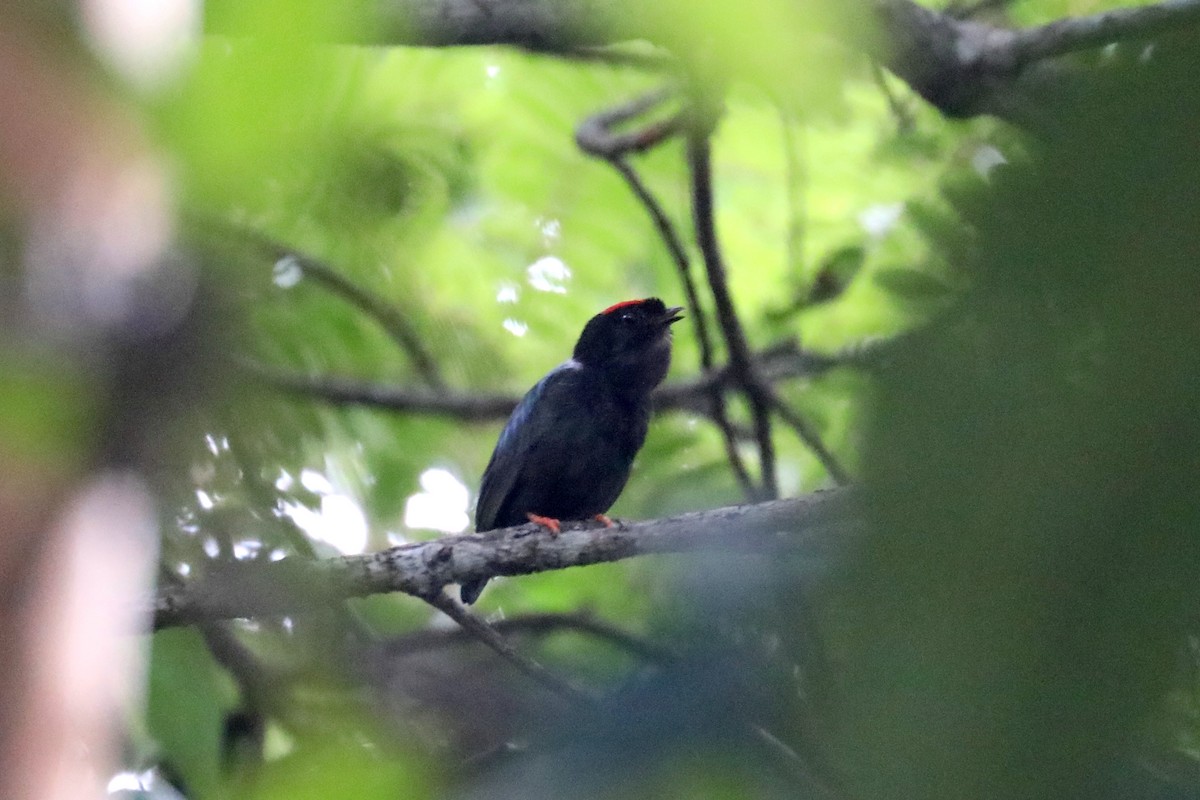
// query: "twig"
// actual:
[[811, 438], [778, 363], [790, 763], [899, 109], [674, 243], [390, 318], [534, 624], [596, 134], [814, 527], [740, 359], [476, 627], [345, 391], [802, 774], [671, 238]]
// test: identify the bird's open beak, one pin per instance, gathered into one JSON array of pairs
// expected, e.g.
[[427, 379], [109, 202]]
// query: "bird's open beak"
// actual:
[[672, 315]]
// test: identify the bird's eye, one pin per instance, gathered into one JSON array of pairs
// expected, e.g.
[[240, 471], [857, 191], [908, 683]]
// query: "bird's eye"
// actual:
[[627, 318]]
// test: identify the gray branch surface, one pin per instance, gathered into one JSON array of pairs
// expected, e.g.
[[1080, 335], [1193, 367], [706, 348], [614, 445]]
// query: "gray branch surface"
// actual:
[[963, 67], [967, 67], [816, 526]]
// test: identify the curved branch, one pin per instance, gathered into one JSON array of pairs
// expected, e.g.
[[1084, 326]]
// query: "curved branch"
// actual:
[[595, 136], [741, 361], [816, 526], [389, 317]]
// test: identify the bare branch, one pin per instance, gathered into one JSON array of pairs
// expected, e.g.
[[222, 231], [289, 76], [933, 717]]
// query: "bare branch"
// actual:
[[481, 631], [348, 391], [810, 437], [1072, 34], [781, 362], [741, 362], [964, 67], [390, 318], [597, 134], [594, 137], [538, 624], [815, 526], [900, 110]]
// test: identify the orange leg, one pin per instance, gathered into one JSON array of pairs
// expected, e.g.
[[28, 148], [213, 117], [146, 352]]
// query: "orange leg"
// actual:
[[608, 523], [549, 523]]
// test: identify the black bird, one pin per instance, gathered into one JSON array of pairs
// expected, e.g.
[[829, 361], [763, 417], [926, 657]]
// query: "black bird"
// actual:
[[569, 444]]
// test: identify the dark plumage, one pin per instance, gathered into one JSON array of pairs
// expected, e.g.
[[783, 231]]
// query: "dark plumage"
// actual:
[[569, 444]]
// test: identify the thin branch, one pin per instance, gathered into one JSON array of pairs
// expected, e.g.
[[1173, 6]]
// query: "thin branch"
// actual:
[[811, 438], [671, 238], [778, 363], [814, 527], [793, 767], [261, 688], [348, 391], [740, 358], [900, 110], [717, 410], [536, 625], [595, 136], [390, 318], [480, 630]]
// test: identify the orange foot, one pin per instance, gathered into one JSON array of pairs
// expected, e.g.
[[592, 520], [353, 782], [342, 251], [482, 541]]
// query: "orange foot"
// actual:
[[608, 523], [549, 523]]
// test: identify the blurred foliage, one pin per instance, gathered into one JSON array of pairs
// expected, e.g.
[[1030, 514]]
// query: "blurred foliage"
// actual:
[[1017, 623]]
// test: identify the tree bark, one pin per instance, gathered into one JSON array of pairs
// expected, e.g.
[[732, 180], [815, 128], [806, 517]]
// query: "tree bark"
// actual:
[[816, 526]]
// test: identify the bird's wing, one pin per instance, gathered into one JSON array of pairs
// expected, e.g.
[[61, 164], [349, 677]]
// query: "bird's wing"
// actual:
[[503, 473]]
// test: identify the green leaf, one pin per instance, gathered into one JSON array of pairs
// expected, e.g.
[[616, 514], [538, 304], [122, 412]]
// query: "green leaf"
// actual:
[[838, 269], [186, 707]]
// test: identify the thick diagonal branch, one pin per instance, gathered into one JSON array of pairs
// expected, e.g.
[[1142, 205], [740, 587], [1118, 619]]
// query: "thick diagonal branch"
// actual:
[[964, 67], [815, 526]]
